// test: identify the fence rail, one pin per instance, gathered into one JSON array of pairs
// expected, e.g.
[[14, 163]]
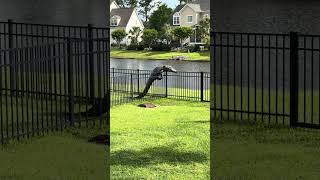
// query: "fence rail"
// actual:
[[273, 78]]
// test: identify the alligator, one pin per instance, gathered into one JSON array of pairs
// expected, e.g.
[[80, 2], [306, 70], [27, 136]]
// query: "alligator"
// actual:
[[156, 74]]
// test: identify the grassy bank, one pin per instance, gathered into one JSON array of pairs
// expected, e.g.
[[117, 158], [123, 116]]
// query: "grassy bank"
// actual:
[[167, 142], [157, 55], [246, 151], [57, 156]]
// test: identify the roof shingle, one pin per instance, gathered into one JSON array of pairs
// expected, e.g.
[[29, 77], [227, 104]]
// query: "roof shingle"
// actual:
[[124, 13]]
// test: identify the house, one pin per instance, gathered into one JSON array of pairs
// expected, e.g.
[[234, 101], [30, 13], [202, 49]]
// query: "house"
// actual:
[[124, 18], [190, 15]]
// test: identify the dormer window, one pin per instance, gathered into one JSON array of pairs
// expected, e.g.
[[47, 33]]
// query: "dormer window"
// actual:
[[176, 20], [115, 20]]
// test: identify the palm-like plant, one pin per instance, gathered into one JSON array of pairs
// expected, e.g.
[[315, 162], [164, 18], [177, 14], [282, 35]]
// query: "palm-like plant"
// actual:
[[134, 35]]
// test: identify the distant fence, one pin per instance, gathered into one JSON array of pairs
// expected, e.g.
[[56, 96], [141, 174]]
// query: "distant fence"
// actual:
[[48, 81], [272, 78], [126, 84]]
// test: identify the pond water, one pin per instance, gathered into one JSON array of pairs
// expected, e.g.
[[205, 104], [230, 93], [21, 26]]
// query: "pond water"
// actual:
[[185, 66]]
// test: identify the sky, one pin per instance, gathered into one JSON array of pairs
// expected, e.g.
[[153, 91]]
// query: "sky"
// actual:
[[171, 3]]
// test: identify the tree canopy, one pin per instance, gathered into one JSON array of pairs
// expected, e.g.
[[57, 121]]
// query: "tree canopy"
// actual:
[[159, 17]]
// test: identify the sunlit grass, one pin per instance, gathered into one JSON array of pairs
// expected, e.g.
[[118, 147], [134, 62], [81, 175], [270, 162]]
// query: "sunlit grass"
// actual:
[[158, 55], [167, 142], [65, 155]]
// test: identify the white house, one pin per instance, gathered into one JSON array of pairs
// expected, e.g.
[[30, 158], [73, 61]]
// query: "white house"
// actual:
[[124, 18]]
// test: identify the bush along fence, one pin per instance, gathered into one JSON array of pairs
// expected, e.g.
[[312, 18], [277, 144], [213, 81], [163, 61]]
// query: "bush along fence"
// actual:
[[126, 84], [50, 81], [273, 78]]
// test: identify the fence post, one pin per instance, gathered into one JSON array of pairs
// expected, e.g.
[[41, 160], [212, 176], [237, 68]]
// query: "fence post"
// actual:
[[166, 74], [138, 75], [70, 82], [294, 76], [131, 84], [10, 46], [91, 62], [201, 87]]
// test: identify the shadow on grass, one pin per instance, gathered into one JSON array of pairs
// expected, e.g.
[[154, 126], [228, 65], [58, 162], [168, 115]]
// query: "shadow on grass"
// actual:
[[155, 155], [199, 122]]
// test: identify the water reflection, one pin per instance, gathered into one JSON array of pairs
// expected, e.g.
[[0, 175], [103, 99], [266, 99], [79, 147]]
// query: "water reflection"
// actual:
[[185, 66]]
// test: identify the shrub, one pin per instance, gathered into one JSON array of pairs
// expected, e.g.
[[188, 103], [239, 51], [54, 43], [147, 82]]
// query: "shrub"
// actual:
[[118, 35], [150, 36], [132, 47], [193, 48], [161, 47], [140, 47]]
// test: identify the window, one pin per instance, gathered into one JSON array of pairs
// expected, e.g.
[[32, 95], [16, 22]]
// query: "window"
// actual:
[[115, 21], [190, 19], [176, 20]]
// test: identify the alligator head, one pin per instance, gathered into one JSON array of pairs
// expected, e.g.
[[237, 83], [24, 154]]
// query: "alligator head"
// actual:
[[167, 68]]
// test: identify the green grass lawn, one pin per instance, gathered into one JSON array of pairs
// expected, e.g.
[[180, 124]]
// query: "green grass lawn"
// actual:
[[57, 156], [157, 55], [253, 151], [167, 142]]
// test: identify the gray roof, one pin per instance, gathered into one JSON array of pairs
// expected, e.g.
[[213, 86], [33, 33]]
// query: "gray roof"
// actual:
[[124, 13], [204, 4], [195, 7]]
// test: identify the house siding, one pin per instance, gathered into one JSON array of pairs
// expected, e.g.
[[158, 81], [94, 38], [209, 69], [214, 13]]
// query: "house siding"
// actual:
[[134, 22], [187, 11]]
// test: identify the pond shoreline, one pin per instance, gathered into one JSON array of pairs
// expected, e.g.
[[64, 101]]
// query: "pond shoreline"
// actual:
[[159, 55], [122, 58]]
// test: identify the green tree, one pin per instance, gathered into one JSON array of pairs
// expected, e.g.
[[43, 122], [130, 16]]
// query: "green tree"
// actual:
[[132, 3], [182, 33], [134, 35], [159, 17], [145, 8], [127, 3], [165, 34], [119, 35], [149, 36], [121, 3], [203, 30], [185, 1]]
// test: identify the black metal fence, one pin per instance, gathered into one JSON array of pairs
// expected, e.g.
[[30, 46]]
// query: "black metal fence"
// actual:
[[19, 35], [49, 82], [272, 78], [128, 83]]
